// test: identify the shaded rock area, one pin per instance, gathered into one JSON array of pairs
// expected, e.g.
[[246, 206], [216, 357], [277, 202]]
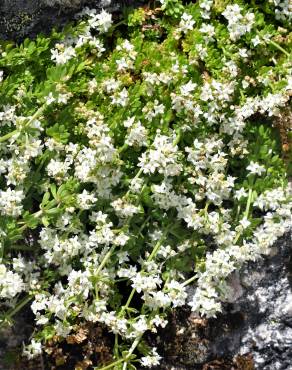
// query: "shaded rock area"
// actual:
[[254, 330], [11, 340], [27, 18]]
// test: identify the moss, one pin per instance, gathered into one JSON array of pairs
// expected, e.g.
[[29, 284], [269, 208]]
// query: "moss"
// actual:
[[65, 3], [18, 22]]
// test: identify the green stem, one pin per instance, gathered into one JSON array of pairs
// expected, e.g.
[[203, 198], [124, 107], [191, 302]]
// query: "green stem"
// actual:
[[126, 306], [8, 136], [126, 358], [279, 48], [190, 280], [32, 118], [116, 346], [106, 258], [110, 366], [156, 248], [8, 316], [123, 148], [246, 213], [132, 349], [178, 137]]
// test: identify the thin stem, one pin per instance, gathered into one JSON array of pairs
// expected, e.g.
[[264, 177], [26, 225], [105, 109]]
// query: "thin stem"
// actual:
[[32, 118], [116, 346], [246, 213], [279, 48], [126, 358], [8, 136], [13, 311], [126, 306], [132, 349], [106, 258], [123, 148], [190, 280], [111, 365], [248, 203], [178, 137]]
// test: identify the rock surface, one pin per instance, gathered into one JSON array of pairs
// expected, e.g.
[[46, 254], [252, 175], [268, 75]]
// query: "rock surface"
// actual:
[[27, 18], [253, 332]]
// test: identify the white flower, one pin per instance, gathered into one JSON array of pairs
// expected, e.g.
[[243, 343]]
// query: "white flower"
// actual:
[[121, 240], [241, 193], [243, 52], [186, 89], [209, 32], [61, 55], [58, 169], [124, 209], [256, 40], [136, 185], [141, 325], [186, 23], [255, 169], [121, 98], [10, 202], [151, 360], [245, 223], [137, 135], [63, 98], [163, 158], [123, 64], [86, 200], [33, 350], [129, 122], [102, 21], [238, 24], [50, 99], [10, 283], [111, 85], [92, 85]]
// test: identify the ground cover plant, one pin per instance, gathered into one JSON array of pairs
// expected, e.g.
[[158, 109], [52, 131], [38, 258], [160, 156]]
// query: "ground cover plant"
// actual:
[[139, 157]]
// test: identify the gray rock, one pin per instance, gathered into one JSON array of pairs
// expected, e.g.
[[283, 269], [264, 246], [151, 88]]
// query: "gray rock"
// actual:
[[20, 18], [255, 326]]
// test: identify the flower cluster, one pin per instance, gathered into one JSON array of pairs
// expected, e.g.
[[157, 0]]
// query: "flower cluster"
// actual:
[[137, 162]]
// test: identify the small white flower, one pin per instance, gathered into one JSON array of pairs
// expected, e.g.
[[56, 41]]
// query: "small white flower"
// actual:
[[255, 169], [245, 223], [86, 200], [50, 99], [33, 350], [63, 54], [186, 23], [186, 89], [151, 360], [102, 21], [256, 40], [10, 202], [241, 193]]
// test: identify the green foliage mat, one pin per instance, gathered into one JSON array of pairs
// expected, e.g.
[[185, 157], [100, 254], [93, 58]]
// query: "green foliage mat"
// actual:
[[138, 158]]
